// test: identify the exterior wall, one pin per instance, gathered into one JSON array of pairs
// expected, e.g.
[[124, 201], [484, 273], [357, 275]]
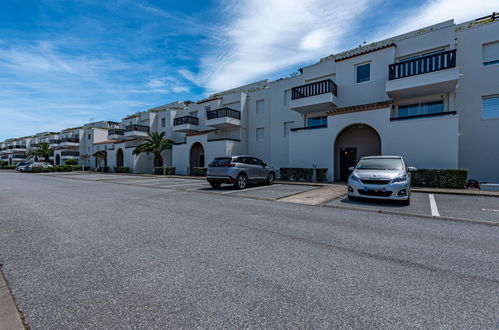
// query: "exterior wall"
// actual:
[[479, 138], [436, 148]]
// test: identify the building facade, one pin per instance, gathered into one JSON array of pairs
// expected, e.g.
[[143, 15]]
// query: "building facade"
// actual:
[[431, 96]]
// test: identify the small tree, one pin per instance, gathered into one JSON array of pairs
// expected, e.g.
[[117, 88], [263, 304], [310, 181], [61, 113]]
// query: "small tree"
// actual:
[[42, 150], [154, 143]]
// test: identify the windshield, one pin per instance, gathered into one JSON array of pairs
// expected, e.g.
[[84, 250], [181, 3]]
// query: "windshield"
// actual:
[[380, 164], [222, 161]]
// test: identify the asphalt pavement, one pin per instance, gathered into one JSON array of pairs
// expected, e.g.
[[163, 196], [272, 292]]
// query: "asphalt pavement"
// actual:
[[88, 254]]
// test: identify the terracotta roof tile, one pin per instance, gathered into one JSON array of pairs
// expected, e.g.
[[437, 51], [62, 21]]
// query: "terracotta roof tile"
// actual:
[[360, 107]]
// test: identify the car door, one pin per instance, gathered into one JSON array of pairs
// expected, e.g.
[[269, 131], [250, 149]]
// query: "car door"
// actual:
[[260, 170]]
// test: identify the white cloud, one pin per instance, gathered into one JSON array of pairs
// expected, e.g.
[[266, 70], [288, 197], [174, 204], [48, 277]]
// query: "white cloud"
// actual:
[[264, 36], [436, 11], [180, 89]]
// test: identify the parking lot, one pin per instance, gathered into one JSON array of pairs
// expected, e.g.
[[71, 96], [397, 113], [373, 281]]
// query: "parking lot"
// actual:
[[480, 208], [264, 192]]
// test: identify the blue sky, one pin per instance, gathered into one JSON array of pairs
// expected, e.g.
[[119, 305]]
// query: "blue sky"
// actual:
[[63, 62]]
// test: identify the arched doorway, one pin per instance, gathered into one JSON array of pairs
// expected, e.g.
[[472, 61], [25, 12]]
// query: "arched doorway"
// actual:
[[196, 158], [353, 143], [36, 159], [58, 159], [10, 161], [119, 158]]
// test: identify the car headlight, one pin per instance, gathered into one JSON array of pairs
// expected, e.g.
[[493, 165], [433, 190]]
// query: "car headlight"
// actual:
[[353, 177], [402, 178]]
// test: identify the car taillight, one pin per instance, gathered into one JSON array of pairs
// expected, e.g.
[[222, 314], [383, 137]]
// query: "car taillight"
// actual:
[[210, 165], [230, 165]]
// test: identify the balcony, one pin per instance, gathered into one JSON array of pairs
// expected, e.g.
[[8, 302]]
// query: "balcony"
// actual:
[[18, 157], [136, 131], [70, 142], [70, 155], [314, 97], [116, 134], [185, 124], [223, 118], [54, 143], [427, 75], [17, 148]]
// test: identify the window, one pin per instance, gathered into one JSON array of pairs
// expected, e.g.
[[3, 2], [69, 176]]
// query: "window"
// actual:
[[260, 106], [163, 122], [421, 109], [287, 127], [413, 57], [207, 108], [491, 53], [89, 136], [490, 107], [260, 134], [317, 121], [193, 114], [363, 72]]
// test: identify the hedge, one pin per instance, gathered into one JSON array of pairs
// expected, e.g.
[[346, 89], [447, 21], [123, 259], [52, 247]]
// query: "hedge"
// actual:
[[122, 169], [71, 162], [8, 167], [440, 178], [198, 171], [57, 168], [168, 170], [302, 174]]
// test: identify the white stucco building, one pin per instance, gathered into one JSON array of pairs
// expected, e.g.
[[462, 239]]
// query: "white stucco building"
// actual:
[[431, 96]]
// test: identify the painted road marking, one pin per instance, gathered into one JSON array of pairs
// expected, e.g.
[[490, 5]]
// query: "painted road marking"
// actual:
[[490, 210], [433, 206], [249, 189]]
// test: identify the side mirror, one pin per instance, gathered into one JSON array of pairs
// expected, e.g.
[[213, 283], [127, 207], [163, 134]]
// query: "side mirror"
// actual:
[[351, 168], [263, 165], [412, 169]]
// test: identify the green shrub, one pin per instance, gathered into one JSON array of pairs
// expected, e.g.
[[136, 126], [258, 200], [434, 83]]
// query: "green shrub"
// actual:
[[61, 168], [8, 167], [198, 171], [440, 178], [71, 162], [302, 174], [122, 169], [3, 163], [169, 170]]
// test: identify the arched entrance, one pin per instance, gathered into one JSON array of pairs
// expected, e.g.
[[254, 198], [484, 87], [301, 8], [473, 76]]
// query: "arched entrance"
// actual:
[[58, 159], [353, 143], [196, 158], [36, 159], [119, 158]]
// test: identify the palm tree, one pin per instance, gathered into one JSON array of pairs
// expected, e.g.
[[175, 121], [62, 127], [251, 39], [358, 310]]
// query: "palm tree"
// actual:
[[155, 143], [42, 150]]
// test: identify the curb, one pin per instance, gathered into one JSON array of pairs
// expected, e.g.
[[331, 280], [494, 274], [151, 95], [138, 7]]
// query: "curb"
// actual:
[[10, 317], [457, 192], [480, 222]]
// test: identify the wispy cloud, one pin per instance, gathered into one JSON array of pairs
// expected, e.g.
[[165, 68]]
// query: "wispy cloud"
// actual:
[[260, 37]]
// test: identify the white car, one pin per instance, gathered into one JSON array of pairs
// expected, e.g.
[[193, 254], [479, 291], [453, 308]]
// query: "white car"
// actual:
[[381, 177]]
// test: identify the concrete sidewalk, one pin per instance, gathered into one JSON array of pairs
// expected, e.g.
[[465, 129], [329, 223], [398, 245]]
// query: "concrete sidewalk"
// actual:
[[317, 196], [472, 192], [9, 316]]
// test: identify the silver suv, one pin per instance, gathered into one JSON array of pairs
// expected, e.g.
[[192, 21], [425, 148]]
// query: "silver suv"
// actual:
[[239, 171]]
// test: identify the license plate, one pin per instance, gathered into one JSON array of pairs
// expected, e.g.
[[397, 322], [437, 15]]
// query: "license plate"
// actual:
[[375, 189]]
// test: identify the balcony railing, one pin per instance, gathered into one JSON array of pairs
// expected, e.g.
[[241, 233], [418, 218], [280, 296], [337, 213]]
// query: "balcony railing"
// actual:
[[308, 127], [186, 120], [137, 128], [116, 131], [445, 113], [54, 141], [70, 139], [425, 64], [70, 153], [316, 88], [223, 112]]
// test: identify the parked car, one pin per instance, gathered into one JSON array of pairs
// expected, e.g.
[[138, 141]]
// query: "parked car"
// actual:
[[381, 177], [21, 165], [29, 167], [239, 171]]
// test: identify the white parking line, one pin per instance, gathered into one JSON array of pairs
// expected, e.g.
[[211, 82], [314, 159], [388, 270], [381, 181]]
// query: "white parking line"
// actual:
[[248, 189], [433, 206]]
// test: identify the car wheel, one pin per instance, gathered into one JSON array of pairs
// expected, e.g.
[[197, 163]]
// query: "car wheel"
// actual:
[[215, 184], [270, 178], [240, 182]]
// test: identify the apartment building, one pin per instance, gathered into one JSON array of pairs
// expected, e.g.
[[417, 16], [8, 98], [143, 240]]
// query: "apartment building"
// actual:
[[431, 96]]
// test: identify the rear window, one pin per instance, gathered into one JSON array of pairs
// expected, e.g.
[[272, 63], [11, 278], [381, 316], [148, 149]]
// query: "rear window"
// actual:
[[380, 164], [222, 161]]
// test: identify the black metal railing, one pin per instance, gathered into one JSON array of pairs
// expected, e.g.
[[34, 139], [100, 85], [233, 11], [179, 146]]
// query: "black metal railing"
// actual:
[[425, 64], [70, 153], [223, 112], [308, 127], [54, 141], [116, 131], [137, 128], [436, 114], [22, 156], [186, 120], [70, 139], [316, 88], [18, 146]]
